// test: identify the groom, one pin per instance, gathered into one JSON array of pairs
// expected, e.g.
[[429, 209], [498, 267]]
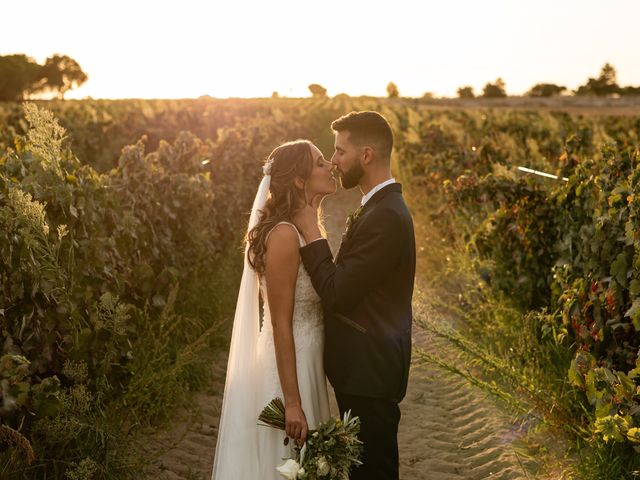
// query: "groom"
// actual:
[[366, 292]]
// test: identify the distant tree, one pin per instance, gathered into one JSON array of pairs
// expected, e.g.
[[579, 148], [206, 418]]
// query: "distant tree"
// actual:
[[19, 77], [608, 74], [605, 84], [545, 90], [317, 91], [494, 90], [62, 73], [427, 95], [392, 90], [466, 92], [275, 95], [630, 91]]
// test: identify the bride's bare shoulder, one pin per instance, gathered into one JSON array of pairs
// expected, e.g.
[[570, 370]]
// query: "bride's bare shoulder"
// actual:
[[283, 238]]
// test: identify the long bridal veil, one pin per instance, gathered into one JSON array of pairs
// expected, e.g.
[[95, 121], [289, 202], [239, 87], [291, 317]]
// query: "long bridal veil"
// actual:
[[235, 456]]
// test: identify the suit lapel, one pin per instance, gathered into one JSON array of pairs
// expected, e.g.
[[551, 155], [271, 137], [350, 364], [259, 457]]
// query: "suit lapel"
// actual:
[[368, 207]]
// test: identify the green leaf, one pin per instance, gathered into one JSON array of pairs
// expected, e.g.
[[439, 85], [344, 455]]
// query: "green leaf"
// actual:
[[635, 372], [624, 387], [634, 313], [612, 427], [604, 404], [633, 435], [591, 388], [14, 367], [580, 366], [634, 287], [618, 269], [575, 377], [46, 396]]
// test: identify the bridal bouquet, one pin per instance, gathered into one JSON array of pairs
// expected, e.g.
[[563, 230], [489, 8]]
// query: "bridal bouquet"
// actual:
[[329, 452]]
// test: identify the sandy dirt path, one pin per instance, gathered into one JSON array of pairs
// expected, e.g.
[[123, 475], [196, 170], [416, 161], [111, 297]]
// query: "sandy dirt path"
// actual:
[[448, 430]]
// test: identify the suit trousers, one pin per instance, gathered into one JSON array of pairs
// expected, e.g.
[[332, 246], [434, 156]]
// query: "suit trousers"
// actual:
[[379, 419]]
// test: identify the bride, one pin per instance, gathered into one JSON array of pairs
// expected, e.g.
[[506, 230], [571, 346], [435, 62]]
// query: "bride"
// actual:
[[282, 355]]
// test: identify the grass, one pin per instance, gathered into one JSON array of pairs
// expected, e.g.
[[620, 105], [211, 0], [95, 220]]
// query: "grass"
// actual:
[[498, 349], [172, 358]]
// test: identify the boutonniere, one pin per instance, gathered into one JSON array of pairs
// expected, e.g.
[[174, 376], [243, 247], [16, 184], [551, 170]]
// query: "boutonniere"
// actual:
[[353, 216]]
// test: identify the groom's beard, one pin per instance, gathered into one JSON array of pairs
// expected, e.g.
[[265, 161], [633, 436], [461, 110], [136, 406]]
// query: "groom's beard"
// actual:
[[351, 177]]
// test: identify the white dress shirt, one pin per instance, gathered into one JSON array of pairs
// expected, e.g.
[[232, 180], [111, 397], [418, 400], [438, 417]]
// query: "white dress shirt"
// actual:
[[375, 189]]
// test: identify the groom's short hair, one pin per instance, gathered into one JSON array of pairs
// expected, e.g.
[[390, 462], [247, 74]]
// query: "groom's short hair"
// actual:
[[367, 128]]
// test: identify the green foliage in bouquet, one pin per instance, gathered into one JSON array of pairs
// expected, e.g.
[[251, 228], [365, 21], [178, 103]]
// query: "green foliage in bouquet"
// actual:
[[330, 451]]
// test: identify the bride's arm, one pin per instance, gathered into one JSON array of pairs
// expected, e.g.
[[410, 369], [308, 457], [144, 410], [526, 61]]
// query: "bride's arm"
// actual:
[[281, 271]]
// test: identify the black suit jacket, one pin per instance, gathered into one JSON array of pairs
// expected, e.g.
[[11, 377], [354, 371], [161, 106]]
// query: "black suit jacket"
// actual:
[[366, 294]]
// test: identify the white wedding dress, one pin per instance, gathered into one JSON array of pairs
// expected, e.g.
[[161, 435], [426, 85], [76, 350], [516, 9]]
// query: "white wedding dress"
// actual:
[[308, 334], [245, 450]]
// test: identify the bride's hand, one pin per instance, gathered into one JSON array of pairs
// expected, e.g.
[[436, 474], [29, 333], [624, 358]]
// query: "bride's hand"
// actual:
[[296, 423]]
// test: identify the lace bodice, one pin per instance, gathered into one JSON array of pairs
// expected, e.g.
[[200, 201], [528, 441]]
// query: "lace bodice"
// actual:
[[307, 310]]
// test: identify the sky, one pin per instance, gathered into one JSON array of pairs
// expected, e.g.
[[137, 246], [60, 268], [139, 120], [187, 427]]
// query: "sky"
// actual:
[[242, 48]]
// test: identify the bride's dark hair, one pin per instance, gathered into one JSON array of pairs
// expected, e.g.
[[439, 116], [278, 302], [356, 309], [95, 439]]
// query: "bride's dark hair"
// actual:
[[290, 160]]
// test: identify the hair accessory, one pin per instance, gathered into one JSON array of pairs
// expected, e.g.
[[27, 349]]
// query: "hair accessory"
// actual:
[[266, 168]]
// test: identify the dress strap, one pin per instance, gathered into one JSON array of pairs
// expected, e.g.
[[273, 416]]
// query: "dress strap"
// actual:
[[300, 237]]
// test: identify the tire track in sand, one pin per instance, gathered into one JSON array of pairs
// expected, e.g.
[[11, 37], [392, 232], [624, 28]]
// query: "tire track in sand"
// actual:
[[450, 430]]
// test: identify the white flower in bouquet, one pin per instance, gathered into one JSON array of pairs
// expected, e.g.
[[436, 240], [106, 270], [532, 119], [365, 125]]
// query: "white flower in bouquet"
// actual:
[[289, 469], [323, 466]]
